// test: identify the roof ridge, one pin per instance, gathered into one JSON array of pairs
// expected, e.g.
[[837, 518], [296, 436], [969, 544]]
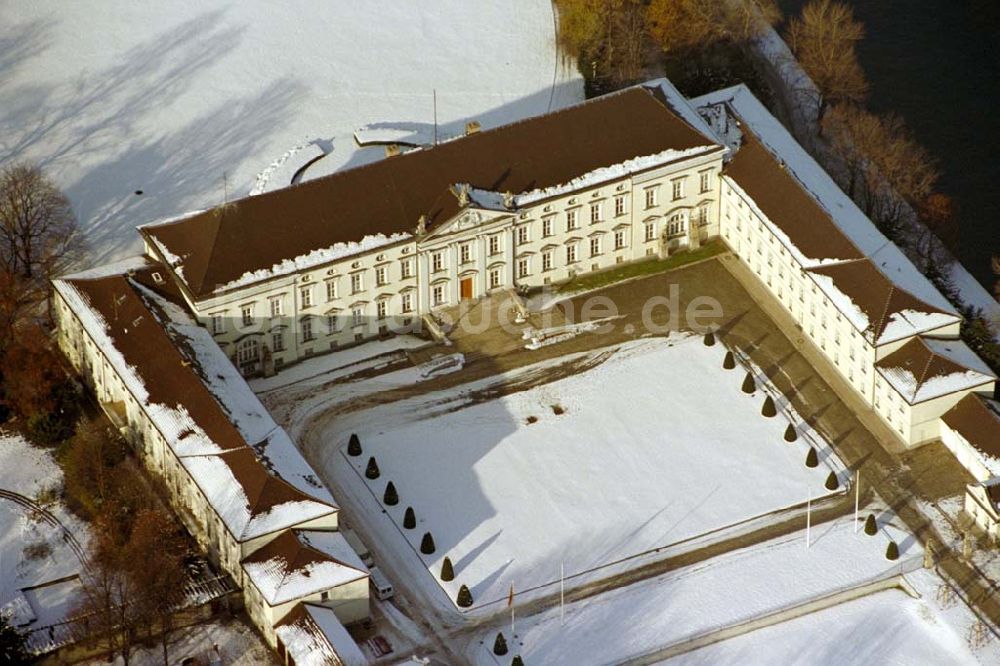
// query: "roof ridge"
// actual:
[[298, 537], [923, 374]]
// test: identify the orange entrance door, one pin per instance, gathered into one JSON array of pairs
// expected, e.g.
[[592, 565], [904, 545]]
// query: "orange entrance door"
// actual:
[[466, 288]]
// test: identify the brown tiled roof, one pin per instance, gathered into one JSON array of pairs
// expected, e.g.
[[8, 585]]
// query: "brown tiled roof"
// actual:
[[144, 343], [977, 419], [263, 491], [872, 292], [925, 362], [387, 197], [784, 201]]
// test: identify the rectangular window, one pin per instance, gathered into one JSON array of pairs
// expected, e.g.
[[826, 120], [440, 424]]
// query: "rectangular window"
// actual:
[[677, 187], [380, 276], [465, 252], [275, 306], [571, 253], [496, 278], [332, 323], [547, 227], [406, 268], [650, 197], [247, 312], [331, 290], [277, 342], [571, 220], [702, 215], [382, 308], [407, 304], [217, 323], [522, 234], [306, 296], [595, 246], [437, 261], [494, 243], [307, 329], [547, 260], [619, 239], [705, 181], [595, 213], [438, 294], [523, 267], [357, 283], [357, 315], [619, 206], [650, 231]]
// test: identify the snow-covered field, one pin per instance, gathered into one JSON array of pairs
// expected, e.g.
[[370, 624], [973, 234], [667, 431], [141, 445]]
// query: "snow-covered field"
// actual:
[[38, 570], [631, 464], [189, 101]]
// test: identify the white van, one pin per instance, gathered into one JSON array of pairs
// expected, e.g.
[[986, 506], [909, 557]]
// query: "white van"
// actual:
[[380, 584]]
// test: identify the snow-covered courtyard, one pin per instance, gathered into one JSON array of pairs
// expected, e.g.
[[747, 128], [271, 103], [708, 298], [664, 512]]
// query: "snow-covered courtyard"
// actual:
[[39, 567], [142, 111], [592, 472]]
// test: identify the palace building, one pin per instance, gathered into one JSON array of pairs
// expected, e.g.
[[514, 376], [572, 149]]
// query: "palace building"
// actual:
[[257, 284]]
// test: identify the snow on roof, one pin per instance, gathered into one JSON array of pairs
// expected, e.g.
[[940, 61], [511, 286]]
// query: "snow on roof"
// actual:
[[246, 465], [315, 258], [928, 368], [313, 636], [888, 260], [610, 173], [977, 419], [281, 171], [333, 544], [289, 567]]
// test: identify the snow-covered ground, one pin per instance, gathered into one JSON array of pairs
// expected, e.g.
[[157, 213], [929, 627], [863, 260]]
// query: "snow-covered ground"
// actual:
[[722, 592], [886, 628], [38, 569], [189, 101], [511, 489]]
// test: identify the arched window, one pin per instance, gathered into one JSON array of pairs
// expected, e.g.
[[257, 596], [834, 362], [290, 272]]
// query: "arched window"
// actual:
[[248, 351], [677, 224]]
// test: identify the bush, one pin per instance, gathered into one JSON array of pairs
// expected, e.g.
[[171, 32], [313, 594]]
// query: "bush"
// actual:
[[427, 544], [391, 497], [500, 645], [517, 661], [729, 362], [892, 551], [768, 409], [709, 339], [812, 458], [831, 482], [749, 385], [13, 644], [354, 446], [790, 434], [409, 518], [871, 527], [447, 571], [372, 470], [464, 597]]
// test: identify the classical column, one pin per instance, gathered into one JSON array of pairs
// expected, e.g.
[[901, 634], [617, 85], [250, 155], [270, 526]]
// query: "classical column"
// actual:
[[508, 256], [423, 283]]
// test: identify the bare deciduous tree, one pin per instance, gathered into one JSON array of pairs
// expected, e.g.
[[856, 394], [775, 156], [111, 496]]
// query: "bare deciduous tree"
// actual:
[[679, 25], [995, 263], [38, 239], [823, 39]]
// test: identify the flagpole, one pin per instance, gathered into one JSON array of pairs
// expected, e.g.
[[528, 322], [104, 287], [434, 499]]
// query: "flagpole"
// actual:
[[808, 516], [857, 497], [562, 592]]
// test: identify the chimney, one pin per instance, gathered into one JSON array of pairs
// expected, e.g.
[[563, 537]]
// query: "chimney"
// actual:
[[391, 149], [472, 127], [508, 200]]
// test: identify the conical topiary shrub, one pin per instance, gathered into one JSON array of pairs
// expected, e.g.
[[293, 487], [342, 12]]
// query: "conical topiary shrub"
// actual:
[[517, 661], [749, 385], [500, 645], [790, 434], [354, 446], [831, 482], [447, 571], [871, 527], [409, 518], [464, 597], [892, 551], [812, 458], [709, 339], [427, 544], [768, 409], [391, 497], [372, 470], [729, 362]]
